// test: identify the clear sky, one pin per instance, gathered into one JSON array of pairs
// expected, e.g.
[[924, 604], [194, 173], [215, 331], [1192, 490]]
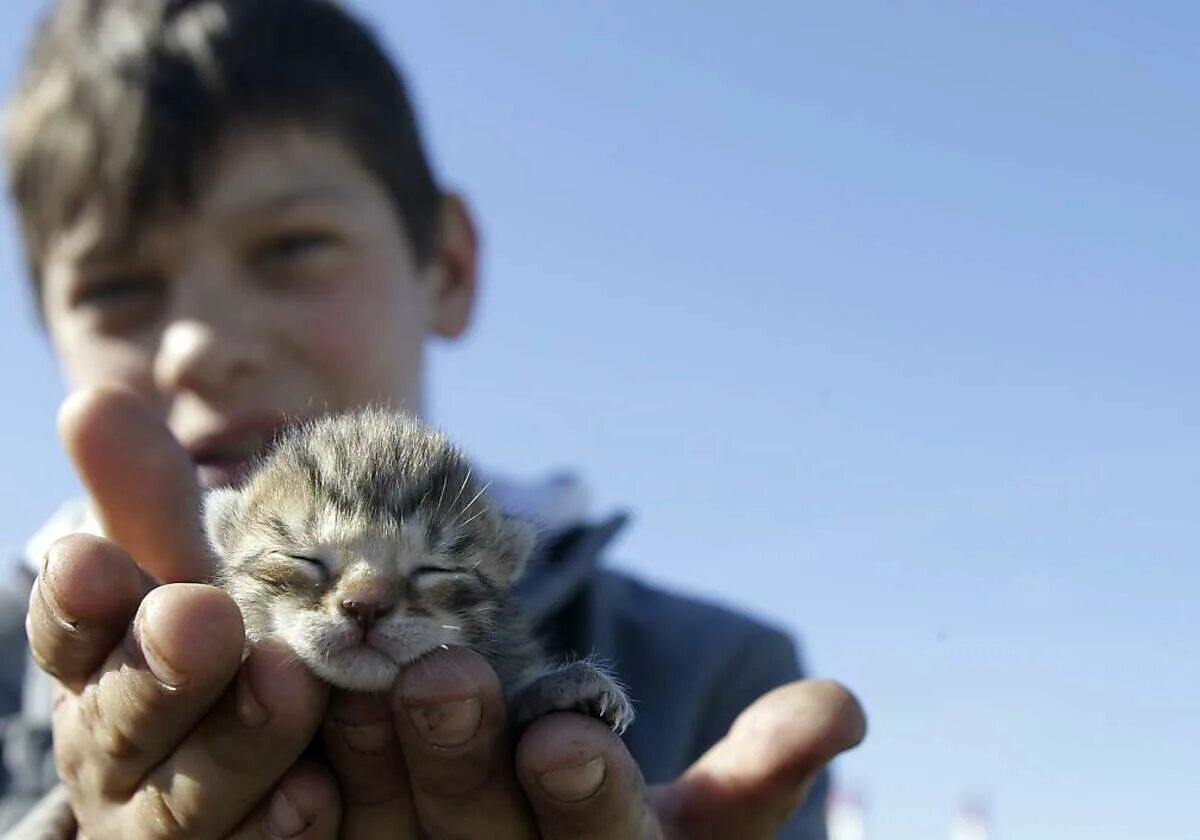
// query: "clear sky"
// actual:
[[880, 317]]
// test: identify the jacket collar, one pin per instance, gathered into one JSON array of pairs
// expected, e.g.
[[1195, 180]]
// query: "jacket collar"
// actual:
[[562, 566]]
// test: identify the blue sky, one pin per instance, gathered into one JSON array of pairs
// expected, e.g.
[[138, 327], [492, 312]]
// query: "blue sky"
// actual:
[[881, 318]]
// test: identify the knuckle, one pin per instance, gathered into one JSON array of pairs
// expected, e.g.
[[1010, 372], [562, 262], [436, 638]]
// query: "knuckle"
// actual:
[[112, 731], [159, 817], [68, 763]]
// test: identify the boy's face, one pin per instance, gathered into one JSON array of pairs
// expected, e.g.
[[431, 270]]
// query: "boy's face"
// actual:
[[288, 289]]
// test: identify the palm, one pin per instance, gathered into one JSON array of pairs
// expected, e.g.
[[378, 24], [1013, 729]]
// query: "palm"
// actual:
[[749, 783]]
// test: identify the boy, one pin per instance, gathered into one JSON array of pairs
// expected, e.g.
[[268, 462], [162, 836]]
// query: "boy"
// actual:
[[231, 224]]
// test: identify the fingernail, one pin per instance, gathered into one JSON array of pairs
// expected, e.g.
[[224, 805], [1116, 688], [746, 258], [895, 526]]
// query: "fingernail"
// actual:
[[46, 593], [283, 820], [448, 724], [52, 607], [572, 784], [154, 660], [250, 711]]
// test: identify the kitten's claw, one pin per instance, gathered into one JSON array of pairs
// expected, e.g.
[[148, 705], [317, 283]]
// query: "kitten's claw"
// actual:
[[575, 687]]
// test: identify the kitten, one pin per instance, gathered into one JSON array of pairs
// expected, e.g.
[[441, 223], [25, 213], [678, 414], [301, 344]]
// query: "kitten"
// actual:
[[363, 542]]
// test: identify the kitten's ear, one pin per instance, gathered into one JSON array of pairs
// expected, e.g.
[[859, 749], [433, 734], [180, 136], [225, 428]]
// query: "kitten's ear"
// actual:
[[221, 507], [517, 539]]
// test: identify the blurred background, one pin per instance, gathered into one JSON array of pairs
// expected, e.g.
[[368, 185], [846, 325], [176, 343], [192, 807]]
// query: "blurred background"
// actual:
[[880, 318]]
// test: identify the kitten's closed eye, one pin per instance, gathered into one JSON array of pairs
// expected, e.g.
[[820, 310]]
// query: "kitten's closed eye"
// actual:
[[433, 575], [429, 577], [308, 563]]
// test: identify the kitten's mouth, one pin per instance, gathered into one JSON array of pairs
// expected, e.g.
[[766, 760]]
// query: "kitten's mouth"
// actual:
[[398, 656], [400, 649], [364, 666]]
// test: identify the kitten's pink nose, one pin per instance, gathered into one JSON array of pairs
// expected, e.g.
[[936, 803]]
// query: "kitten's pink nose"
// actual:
[[366, 611]]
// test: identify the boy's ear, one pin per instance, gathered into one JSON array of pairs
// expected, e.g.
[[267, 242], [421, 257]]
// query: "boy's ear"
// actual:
[[454, 272], [221, 508]]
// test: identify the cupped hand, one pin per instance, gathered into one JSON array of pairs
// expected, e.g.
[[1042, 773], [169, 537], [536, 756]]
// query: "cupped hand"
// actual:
[[160, 733], [159, 729], [434, 759]]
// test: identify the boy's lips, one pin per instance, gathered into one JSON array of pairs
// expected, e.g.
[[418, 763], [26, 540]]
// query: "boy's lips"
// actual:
[[223, 473], [226, 456]]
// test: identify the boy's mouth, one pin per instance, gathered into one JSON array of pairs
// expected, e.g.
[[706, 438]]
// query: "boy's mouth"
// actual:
[[227, 457]]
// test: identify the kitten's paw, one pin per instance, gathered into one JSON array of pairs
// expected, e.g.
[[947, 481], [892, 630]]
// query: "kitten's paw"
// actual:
[[575, 687]]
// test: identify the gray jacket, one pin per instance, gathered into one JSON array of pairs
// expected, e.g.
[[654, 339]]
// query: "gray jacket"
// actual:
[[691, 667]]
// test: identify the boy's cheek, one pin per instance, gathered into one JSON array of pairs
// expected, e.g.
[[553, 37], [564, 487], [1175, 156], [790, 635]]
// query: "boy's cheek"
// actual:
[[358, 348], [88, 361]]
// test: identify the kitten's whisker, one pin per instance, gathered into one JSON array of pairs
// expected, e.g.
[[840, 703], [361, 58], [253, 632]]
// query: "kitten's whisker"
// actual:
[[443, 493], [451, 627], [467, 506], [473, 517], [464, 486]]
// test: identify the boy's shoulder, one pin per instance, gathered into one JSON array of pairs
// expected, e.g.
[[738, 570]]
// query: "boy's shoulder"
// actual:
[[680, 624], [617, 606]]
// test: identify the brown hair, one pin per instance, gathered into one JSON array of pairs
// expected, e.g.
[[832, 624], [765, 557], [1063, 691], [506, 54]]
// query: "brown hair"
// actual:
[[123, 102]]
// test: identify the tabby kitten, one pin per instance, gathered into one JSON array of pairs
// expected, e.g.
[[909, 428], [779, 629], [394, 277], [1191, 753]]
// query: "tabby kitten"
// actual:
[[363, 542]]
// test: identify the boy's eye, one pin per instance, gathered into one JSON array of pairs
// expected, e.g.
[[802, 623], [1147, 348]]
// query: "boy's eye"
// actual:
[[117, 290], [120, 303], [293, 246]]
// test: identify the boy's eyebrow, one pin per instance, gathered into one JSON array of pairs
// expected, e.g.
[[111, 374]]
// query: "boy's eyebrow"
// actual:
[[282, 200], [107, 248], [120, 245]]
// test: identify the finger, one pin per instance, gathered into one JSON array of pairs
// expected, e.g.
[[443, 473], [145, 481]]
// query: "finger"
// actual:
[[226, 766], [450, 718], [181, 654], [80, 606], [582, 782], [141, 481], [304, 806], [360, 740], [752, 780]]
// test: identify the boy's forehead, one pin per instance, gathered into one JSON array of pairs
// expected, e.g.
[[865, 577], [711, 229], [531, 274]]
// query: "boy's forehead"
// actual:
[[102, 235], [279, 166], [255, 173]]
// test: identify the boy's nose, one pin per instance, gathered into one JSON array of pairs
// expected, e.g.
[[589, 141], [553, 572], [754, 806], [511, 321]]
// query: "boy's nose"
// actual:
[[196, 355]]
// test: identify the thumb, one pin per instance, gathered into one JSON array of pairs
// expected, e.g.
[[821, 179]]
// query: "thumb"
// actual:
[[749, 782], [141, 481]]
